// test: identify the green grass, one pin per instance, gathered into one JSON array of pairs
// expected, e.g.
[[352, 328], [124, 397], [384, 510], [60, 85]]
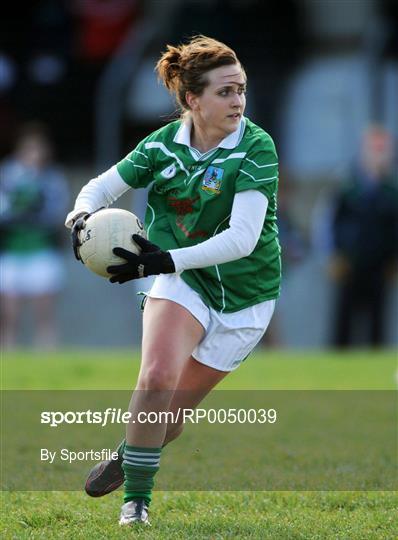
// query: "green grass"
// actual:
[[117, 369], [263, 515], [204, 515]]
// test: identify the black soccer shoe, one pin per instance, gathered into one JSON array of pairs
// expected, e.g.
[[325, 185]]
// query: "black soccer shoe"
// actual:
[[135, 511], [106, 476]]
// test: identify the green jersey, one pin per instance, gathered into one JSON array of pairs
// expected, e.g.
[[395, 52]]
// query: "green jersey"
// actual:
[[33, 201], [190, 201]]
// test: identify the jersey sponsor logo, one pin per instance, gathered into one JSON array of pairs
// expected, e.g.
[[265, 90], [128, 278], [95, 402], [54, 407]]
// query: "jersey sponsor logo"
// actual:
[[182, 206], [169, 172], [212, 179]]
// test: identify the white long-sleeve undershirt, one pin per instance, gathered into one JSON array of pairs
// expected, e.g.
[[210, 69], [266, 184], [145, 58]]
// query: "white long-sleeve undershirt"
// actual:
[[238, 240], [99, 192]]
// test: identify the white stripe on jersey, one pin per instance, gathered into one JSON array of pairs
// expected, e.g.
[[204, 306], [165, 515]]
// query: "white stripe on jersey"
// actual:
[[152, 220], [194, 175], [259, 179], [162, 147], [138, 152], [234, 155], [134, 165], [261, 166]]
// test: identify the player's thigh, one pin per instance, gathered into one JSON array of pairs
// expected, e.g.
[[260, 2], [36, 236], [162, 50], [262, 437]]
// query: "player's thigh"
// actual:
[[170, 334]]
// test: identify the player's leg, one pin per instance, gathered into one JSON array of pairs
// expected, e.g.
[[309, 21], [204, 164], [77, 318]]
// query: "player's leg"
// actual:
[[195, 383], [221, 350], [10, 312], [45, 331], [170, 334], [377, 308], [107, 475], [228, 341], [344, 314], [11, 298]]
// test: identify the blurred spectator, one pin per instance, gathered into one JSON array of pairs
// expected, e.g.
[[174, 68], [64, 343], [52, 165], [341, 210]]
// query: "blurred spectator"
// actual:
[[365, 240], [34, 198], [291, 238]]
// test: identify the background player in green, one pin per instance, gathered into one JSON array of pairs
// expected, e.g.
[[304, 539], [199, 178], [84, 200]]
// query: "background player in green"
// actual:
[[33, 199], [211, 224]]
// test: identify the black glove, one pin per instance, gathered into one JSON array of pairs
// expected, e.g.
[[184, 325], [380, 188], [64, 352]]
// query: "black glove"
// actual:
[[150, 262], [78, 225]]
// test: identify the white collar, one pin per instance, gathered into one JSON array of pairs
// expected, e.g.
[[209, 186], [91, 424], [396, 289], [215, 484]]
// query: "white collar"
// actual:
[[183, 135]]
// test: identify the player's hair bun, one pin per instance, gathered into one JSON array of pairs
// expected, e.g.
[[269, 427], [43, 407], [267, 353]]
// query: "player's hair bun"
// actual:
[[169, 67]]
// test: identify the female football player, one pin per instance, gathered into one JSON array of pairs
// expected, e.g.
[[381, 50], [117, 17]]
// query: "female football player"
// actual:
[[211, 222]]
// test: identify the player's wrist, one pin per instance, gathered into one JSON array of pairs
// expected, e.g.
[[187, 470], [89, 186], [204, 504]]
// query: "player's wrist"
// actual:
[[170, 264], [161, 263]]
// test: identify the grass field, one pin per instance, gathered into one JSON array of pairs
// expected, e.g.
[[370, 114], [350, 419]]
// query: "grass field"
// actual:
[[205, 515]]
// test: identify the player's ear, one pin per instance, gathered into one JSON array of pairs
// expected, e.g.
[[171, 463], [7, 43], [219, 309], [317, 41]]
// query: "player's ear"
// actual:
[[192, 101]]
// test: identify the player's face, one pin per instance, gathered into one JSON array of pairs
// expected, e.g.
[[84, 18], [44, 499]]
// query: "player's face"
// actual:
[[33, 151], [223, 101], [377, 152]]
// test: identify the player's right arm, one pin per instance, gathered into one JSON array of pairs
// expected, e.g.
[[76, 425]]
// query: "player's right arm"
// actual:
[[98, 193], [134, 170], [104, 190]]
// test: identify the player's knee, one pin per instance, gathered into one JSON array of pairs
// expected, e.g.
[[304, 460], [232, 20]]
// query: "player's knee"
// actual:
[[157, 377]]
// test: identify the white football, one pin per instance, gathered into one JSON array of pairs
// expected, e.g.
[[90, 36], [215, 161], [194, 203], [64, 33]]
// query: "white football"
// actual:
[[105, 230]]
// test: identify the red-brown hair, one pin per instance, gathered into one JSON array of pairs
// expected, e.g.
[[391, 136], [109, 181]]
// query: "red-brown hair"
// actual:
[[183, 68]]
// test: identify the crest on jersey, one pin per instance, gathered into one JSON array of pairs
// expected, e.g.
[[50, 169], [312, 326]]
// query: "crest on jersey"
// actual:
[[212, 179], [169, 172]]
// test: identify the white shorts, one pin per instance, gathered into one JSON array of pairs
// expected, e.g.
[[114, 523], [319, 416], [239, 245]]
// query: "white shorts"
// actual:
[[31, 274], [229, 337]]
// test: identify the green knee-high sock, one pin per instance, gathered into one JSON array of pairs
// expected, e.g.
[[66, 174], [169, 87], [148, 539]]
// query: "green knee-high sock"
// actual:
[[120, 448], [140, 466]]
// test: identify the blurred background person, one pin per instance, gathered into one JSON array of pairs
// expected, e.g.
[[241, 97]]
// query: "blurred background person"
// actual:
[[365, 241], [34, 198]]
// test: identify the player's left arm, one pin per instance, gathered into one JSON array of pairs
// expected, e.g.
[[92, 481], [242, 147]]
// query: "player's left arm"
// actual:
[[238, 240]]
